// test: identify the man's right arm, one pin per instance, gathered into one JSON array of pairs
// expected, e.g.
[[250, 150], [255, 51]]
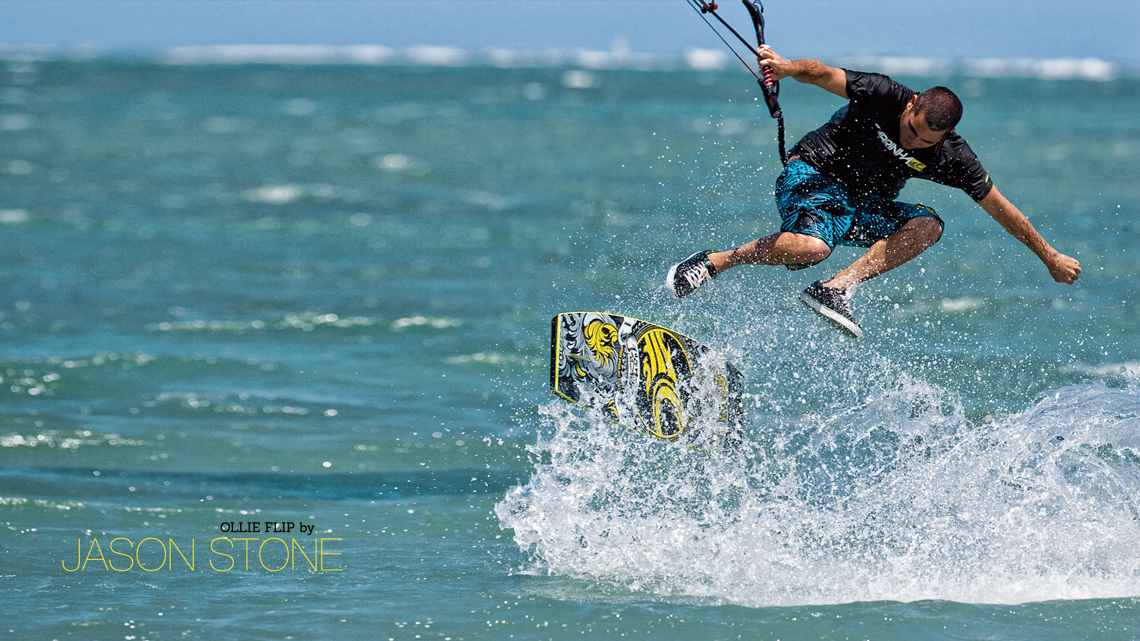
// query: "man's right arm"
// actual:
[[1062, 268], [812, 72]]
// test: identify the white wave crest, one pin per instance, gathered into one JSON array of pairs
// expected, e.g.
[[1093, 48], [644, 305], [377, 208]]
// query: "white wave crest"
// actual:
[[899, 497], [278, 54], [1047, 69]]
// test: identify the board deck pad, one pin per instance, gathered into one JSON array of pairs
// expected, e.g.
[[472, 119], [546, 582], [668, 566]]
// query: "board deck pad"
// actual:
[[647, 378]]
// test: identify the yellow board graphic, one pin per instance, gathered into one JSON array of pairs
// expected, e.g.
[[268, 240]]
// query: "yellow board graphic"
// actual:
[[647, 377]]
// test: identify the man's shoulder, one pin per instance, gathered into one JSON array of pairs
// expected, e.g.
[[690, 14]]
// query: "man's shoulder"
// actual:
[[954, 148], [955, 164], [868, 84]]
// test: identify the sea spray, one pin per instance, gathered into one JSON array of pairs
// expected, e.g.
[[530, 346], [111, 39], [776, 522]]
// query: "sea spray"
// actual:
[[898, 497]]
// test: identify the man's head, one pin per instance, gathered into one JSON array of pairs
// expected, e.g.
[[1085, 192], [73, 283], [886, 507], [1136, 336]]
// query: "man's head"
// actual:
[[928, 117]]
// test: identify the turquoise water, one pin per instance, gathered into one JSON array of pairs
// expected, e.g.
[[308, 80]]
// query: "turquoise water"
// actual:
[[319, 297]]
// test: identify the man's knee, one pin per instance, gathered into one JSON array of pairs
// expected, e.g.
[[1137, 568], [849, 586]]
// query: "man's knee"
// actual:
[[805, 248], [928, 228]]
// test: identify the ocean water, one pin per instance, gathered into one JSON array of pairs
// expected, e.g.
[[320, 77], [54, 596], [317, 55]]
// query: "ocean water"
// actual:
[[274, 346]]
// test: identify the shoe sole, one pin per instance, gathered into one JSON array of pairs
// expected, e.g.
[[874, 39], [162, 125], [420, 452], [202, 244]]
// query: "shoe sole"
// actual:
[[839, 320], [669, 281]]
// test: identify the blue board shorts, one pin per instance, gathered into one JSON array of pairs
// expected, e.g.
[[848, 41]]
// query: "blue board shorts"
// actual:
[[813, 204]]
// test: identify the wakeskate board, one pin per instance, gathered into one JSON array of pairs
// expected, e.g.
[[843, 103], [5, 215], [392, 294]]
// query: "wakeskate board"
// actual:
[[647, 378]]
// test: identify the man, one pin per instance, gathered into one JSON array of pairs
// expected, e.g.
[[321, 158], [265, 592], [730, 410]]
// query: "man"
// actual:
[[841, 181]]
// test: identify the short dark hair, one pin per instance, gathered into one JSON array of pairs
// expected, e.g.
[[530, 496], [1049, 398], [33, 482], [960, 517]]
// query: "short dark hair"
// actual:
[[941, 107]]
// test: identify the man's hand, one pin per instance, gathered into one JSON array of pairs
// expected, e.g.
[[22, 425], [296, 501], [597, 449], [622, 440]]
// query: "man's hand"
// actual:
[[781, 67], [1064, 269], [812, 72]]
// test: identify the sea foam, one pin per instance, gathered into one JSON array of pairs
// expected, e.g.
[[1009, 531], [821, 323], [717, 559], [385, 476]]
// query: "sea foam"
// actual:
[[898, 497]]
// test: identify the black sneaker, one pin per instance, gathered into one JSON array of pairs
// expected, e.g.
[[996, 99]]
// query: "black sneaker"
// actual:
[[688, 274], [831, 303]]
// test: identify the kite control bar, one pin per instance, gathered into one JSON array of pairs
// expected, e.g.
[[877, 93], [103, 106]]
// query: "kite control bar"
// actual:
[[769, 87]]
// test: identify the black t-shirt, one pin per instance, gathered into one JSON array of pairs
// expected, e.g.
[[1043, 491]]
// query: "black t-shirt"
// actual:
[[860, 145]]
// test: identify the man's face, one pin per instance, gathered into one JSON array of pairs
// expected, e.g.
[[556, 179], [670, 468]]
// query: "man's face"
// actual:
[[914, 133]]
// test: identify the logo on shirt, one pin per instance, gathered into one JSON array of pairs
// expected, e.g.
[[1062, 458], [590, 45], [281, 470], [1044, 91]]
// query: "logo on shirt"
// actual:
[[898, 152]]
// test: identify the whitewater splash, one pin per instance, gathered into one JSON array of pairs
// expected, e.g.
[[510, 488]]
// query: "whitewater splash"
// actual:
[[889, 494]]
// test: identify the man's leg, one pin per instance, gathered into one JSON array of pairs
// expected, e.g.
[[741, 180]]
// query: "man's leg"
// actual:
[[909, 240], [913, 238], [814, 215], [781, 248]]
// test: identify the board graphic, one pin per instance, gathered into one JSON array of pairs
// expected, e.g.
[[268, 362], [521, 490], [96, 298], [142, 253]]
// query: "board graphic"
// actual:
[[647, 378]]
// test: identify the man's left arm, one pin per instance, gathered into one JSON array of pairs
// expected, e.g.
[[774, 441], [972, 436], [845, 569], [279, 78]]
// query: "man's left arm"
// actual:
[[1062, 268]]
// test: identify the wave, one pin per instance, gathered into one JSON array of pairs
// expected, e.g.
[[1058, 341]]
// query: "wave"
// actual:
[[619, 56], [896, 496], [1041, 69], [622, 58], [279, 54]]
